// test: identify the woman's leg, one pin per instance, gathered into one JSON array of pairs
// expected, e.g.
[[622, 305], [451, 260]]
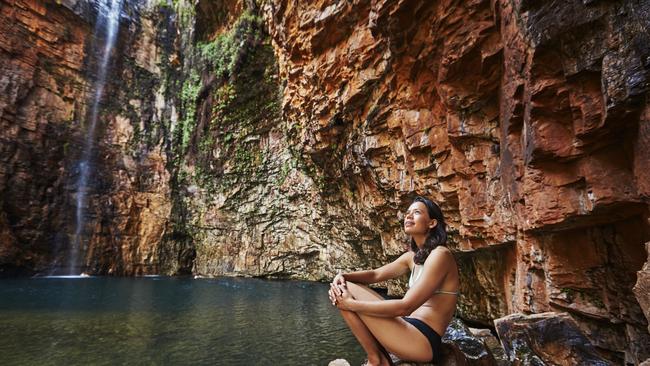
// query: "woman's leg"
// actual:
[[368, 342], [394, 334]]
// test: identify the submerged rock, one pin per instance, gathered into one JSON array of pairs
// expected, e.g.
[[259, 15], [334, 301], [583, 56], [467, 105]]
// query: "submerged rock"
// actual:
[[547, 338]]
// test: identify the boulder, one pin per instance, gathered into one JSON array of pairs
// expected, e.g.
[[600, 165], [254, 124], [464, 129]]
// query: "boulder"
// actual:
[[493, 344], [546, 338], [338, 362], [462, 347]]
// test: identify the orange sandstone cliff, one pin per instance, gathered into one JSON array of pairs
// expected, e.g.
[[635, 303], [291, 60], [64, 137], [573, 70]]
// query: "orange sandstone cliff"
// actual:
[[286, 138]]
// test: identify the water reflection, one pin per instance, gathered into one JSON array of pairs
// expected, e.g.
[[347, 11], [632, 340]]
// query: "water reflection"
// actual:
[[54, 321]]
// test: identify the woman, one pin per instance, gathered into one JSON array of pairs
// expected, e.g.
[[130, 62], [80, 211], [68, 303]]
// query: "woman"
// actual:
[[410, 327]]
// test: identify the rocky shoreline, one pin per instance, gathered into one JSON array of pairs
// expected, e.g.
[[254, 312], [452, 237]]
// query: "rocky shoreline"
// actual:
[[540, 339]]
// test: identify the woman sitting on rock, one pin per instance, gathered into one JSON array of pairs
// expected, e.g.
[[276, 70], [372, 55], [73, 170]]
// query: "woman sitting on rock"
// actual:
[[410, 327]]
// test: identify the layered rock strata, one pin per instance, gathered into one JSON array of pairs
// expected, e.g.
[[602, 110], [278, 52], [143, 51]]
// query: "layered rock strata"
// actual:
[[286, 138], [524, 120]]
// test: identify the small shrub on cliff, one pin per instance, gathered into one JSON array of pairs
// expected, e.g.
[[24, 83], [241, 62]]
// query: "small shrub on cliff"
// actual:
[[226, 52], [189, 94]]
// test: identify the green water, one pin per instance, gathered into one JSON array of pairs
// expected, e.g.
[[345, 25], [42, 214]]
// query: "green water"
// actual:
[[170, 321]]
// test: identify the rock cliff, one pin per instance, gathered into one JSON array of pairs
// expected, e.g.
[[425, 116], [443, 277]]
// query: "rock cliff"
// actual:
[[285, 139], [524, 120], [48, 80]]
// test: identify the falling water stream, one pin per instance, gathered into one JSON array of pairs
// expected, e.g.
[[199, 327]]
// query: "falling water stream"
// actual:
[[107, 25]]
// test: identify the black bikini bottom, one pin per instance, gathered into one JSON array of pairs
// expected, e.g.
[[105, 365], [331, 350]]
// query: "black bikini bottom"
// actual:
[[433, 337]]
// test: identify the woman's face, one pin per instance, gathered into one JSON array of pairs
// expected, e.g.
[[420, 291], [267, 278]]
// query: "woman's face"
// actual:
[[417, 220]]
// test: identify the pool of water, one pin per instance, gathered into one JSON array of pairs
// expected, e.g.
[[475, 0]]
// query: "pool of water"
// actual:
[[170, 321]]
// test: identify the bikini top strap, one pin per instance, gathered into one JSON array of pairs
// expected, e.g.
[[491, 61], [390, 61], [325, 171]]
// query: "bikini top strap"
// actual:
[[457, 293]]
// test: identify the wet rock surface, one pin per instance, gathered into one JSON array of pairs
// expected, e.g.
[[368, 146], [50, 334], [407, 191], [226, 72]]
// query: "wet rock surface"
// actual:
[[493, 344], [462, 347]]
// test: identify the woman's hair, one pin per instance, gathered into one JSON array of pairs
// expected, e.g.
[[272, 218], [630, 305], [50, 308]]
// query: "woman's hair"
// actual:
[[435, 237]]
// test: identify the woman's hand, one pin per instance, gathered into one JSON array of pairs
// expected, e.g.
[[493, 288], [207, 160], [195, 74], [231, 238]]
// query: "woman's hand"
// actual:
[[340, 296], [331, 294], [339, 280]]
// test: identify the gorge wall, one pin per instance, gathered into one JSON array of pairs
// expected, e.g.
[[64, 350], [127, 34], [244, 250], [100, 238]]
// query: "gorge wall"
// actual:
[[285, 139], [48, 79]]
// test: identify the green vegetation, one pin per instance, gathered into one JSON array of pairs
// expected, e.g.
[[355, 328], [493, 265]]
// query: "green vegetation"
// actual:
[[224, 96], [189, 96], [164, 4], [185, 10], [226, 51], [243, 100]]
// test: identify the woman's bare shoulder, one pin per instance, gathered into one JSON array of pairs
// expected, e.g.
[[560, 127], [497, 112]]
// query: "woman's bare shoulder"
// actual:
[[441, 254], [406, 257]]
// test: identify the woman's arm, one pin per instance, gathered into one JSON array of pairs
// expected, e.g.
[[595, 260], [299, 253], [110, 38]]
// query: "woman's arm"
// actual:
[[386, 308], [365, 277], [434, 271], [393, 269]]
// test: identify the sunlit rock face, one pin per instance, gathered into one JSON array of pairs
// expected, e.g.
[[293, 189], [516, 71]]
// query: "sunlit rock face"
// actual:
[[286, 139], [525, 120]]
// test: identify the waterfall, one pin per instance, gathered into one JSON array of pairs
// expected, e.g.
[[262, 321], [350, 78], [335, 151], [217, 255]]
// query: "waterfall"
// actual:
[[107, 24]]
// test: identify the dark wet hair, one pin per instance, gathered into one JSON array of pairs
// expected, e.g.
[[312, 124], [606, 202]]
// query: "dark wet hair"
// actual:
[[435, 237]]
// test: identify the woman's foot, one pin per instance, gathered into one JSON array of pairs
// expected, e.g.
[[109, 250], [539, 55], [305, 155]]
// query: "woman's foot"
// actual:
[[390, 357], [367, 363], [382, 359]]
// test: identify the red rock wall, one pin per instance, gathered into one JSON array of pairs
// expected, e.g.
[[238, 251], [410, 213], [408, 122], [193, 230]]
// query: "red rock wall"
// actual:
[[41, 53], [524, 120], [527, 121], [47, 72]]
